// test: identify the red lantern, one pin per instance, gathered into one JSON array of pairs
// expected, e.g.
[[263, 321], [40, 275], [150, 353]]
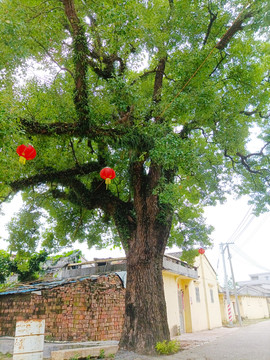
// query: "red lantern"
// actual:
[[201, 251], [26, 153], [107, 174]]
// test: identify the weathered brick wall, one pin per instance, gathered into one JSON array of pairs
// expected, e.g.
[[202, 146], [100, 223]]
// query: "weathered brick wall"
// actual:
[[78, 311]]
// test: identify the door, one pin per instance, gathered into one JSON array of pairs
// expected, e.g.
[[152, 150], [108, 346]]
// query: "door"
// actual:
[[181, 310]]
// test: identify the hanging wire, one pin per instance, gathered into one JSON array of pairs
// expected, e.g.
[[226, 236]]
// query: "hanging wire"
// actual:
[[250, 237], [248, 259], [244, 224]]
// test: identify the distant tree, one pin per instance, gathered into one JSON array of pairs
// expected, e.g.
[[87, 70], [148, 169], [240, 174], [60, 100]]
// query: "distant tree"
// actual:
[[164, 92], [28, 268], [5, 264], [24, 231]]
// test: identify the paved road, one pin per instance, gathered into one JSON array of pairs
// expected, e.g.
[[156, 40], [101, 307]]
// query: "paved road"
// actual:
[[248, 343]]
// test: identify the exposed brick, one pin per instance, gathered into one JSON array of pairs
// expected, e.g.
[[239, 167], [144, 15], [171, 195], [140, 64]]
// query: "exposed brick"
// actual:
[[97, 307]]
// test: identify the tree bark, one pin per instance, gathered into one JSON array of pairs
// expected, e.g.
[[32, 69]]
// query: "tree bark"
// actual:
[[146, 315]]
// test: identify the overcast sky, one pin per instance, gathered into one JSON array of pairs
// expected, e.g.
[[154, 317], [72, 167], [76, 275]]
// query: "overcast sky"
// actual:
[[233, 222]]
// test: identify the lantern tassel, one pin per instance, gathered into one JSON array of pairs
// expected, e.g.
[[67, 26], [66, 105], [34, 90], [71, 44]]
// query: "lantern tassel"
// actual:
[[22, 160], [107, 182]]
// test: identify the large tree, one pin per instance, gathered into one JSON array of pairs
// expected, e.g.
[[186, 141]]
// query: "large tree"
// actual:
[[166, 92]]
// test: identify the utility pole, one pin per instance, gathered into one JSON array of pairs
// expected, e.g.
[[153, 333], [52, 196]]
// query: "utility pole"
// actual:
[[234, 287], [229, 310]]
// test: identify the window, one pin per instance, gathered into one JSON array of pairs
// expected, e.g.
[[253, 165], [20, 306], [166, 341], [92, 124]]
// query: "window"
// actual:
[[212, 295], [197, 294]]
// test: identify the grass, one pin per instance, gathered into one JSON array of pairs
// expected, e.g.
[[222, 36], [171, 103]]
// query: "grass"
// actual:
[[5, 356], [101, 356], [168, 347]]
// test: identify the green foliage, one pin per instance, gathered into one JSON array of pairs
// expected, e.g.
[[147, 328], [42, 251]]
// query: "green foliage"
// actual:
[[77, 255], [189, 256], [76, 357], [167, 93], [83, 95], [5, 356], [5, 264], [28, 269], [101, 354], [24, 226], [168, 347]]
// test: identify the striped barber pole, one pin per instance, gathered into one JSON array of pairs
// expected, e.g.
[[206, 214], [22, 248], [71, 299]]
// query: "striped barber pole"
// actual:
[[229, 312]]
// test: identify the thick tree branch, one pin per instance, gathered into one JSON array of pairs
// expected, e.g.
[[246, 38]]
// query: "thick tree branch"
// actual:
[[49, 176], [159, 79], [100, 62], [105, 68], [244, 162], [171, 4], [250, 113], [211, 22], [33, 127], [236, 26], [80, 50], [96, 197], [146, 73]]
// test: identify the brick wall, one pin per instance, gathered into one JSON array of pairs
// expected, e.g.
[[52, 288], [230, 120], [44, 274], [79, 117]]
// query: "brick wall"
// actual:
[[78, 311]]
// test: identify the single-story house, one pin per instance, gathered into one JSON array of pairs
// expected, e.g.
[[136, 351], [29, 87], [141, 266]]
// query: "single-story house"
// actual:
[[255, 306]]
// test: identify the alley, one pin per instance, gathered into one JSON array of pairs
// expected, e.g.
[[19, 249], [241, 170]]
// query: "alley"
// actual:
[[247, 343]]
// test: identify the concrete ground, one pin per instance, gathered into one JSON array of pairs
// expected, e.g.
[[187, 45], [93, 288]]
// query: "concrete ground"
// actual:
[[220, 343], [7, 344], [246, 343], [187, 341]]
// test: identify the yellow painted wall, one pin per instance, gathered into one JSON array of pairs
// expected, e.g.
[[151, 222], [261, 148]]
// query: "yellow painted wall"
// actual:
[[253, 307], [197, 309], [206, 313], [171, 297], [196, 315]]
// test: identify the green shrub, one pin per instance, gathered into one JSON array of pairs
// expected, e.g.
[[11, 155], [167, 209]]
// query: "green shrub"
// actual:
[[76, 357], [101, 354], [167, 347]]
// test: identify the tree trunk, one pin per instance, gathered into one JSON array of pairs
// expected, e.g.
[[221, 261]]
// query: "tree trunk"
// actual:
[[145, 312]]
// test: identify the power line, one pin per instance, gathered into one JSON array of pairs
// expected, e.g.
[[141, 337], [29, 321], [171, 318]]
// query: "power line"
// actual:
[[244, 224], [250, 237], [248, 258]]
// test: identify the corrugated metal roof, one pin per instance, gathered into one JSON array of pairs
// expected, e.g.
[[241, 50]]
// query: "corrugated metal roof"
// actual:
[[45, 285]]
